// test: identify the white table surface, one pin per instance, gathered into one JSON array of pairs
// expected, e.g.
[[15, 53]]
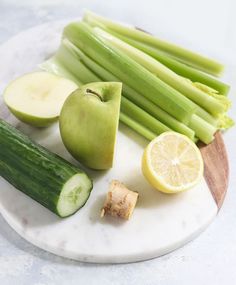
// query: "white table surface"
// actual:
[[210, 259]]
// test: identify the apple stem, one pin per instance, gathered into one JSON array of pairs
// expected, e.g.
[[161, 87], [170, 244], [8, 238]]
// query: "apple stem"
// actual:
[[94, 93]]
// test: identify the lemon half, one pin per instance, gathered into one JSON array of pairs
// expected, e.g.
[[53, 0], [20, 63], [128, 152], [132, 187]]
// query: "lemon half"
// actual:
[[172, 163]]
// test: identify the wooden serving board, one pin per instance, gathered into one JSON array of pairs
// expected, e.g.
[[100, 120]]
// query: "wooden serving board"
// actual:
[[160, 224]]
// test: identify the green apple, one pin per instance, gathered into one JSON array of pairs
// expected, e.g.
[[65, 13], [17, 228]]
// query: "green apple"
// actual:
[[89, 122], [37, 98]]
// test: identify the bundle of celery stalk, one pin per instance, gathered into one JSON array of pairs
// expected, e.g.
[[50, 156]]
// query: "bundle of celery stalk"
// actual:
[[165, 87]]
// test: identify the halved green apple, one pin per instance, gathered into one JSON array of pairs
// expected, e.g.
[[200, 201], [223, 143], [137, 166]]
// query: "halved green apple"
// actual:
[[37, 98], [89, 123]]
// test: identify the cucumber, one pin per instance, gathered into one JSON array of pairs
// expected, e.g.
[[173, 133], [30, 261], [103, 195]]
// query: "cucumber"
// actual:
[[44, 176]]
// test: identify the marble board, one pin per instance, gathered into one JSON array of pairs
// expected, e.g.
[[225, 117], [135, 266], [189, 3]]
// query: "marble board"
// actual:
[[160, 223]]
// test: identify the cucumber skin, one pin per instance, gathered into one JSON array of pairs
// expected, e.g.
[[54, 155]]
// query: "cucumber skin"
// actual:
[[32, 169]]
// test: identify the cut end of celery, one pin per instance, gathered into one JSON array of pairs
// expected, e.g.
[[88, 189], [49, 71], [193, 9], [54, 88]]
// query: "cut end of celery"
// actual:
[[225, 122]]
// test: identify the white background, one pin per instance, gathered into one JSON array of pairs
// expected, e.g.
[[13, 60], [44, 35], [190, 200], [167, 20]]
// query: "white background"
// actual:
[[205, 25]]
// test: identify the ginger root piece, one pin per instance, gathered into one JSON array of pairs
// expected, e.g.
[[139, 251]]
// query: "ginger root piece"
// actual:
[[120, 201]]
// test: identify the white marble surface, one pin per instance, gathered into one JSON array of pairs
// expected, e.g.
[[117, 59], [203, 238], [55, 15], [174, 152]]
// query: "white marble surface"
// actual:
[[208, 260], [160, 224]]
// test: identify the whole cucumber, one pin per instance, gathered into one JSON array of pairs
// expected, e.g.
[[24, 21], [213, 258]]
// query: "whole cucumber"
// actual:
[[44, 176]]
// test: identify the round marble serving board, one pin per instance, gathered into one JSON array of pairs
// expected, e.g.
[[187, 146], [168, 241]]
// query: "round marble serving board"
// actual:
[[160, 223]]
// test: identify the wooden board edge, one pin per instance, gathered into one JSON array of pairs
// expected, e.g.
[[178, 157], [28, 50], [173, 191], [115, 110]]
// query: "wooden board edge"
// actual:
[[216, 168]]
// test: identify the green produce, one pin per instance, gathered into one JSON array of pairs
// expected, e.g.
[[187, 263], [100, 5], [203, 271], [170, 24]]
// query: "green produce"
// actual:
[[158, 122], [206, 116], [37, 98], [89, 122], [81, 58], [213, 103], [140, 120], [55, 66], [137, 127], [142, 117], [74, 67], [178, 67], [130, 72], [203, 130], [65, 63], [183, 55], [97, 52], [44, 176], [157, 112]]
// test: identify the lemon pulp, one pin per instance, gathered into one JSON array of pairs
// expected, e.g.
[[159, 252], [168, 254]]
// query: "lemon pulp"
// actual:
[[172, 163]]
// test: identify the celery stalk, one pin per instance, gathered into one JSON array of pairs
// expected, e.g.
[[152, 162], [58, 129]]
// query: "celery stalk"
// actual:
[[142, 117], [136, 97], [54, 65], [157, 112], [203, 130], [214, 104], [131, 94], [140, 120], [137, 127], [66, 58], [135, 117], [130, 72], [186, 56], [225, 122], [178, 67], [196, 140], [206, 116]]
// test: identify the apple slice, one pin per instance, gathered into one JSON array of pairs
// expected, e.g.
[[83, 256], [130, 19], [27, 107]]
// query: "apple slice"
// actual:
[[37, 98], [89, 122]]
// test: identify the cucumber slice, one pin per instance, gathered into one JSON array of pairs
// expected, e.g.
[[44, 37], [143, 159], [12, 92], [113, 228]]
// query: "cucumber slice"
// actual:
[[73, 196], [37, 98]]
